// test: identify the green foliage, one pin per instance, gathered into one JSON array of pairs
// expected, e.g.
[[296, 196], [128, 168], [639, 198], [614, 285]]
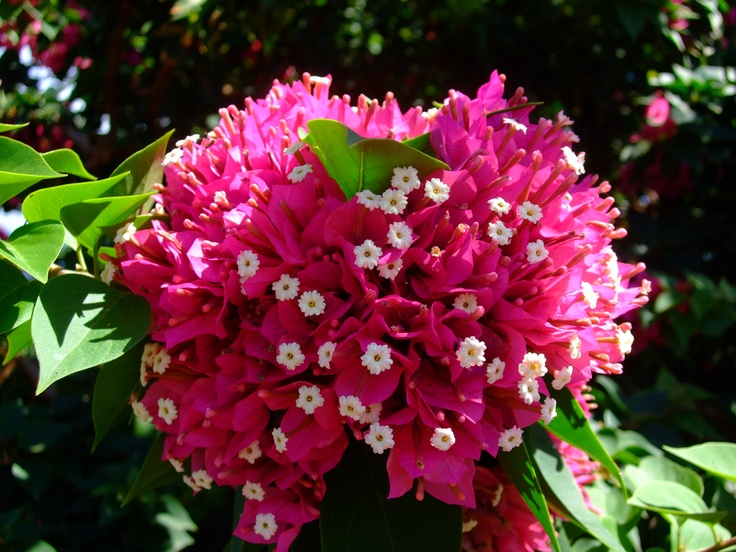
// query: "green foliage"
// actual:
[[34, 247], [20, 167]]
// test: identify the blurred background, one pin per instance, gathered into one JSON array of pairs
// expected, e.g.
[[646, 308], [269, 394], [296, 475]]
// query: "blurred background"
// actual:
[[650, 85]]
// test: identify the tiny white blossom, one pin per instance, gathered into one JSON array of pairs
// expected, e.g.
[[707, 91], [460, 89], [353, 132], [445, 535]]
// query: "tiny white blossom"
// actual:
[[251, 453], [379, 437], [202, 479], [497, 494], [499, 233], [562, 378], [372, 414], [167, 410], [529, 211], [393, 201], [173, 156], [625, 341], [646, 287], [536, 252], [351, 407], [377, 358], [589, 295], [191, 138], [510, 438], [178, 465], [443, 438], [494, 370], [108, 273], [141, 412], [299, 173], [405, 179], [470, 353], [529, 390], [575, 162], [286, 287], [533, 365], [191, 483], [575, 346], [369, 199], [248, 264], [279, 439], [390, 270], [436, 190], [253, 491], [367, 254], [296, 146], [290, 355], [515, 124], [549, 410], [467, 302], [325, 352], [430, 114], [310, 398], [499, 205], [311, 303], [125, 233], [161, 361], [399, 235], [265, 525]]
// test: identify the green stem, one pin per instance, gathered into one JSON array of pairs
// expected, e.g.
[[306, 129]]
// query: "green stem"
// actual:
[[720, 545], [80, 258]]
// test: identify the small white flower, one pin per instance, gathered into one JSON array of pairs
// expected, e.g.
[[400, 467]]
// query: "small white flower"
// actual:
[[125, 233], [265, 525], [625, 341], [443, 438], [436, 190], [108, 273], [369, 199], [499, 205], [161, 361], [248, 264], [253, 491], [251, 453], [144, 374], [296, 146], [470, 353], [549, 410], [167, 410], [536, 252], [367, 254], [589, 295], [529, 211], [325, 352], [178, 465], [499, 233], [469, 525], [202, 479], [286, 287], [494, 370], [290, 355], [192, 138], [390, 270], [430, 114], [311, 303], [467, 302], [510, 438], [173, 156], [399, 235], [310, 398], [149, 351], [515, 124], [141, 412], [646, 287], [562, 378], [191, 483], [351, 407], [575, 162], [393, 201], [497, 494], [377, 358], [575, 346], [279, 439], [379, 437], [372, 414], [405, 179], [299, 173], [533, 365], [529, 390]]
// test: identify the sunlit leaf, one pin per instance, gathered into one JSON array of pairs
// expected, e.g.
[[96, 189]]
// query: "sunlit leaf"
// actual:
[[658, 468], [697, 535], [142, 169], [20, 167], [667, 497], [16, 303], [6, 127], [34, 247], [154, 472], [67, 161], [716, 458], [19, 339]]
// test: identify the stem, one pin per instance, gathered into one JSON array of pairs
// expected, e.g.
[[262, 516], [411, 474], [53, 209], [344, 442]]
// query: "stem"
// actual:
[[720, 545], [55, 270], [80, 259]]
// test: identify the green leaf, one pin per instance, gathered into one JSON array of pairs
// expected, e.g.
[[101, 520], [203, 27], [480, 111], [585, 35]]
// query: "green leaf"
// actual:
[[154, 472], [20, 167], [561, 489], [115, 383], [142, 169], [572, 426], [667, 497], [520, 469], [421, 143], [16, 307], [34, 247], [357, 516], [19, 339], [358, 163], [12, 282], [79, 322], [716, 458], [6, 127], [47, 204], [67, 161], [697, 535], [658, 468]]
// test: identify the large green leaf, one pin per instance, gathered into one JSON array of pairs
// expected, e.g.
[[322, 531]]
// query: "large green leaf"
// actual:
[[716, 458], [79, 322], [47, 204], [659, 468], [34, 247], [115, 382], [520, 469], [142, 169], [19, 339], [572, 426], [667, 497], [20, 167], [6, 127], [561, 489], [358, 163], [154, 472], [17, 297], [357, 516], [67, 161]]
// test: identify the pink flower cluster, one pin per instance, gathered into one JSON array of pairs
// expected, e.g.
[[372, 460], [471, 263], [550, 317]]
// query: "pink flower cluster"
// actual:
[[421, 321]]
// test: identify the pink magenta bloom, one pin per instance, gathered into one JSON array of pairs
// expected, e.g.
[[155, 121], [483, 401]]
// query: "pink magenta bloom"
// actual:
[[293, 317]]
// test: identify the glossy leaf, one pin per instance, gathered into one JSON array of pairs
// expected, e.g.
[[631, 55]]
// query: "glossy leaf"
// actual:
[[716, 458], [79, 322], [16, 305], [19, 339], [667, 497], [115, 382], [142, 169], [34, 247], [357, 516], [518, 466], [11, 281], [358, 163], [20, 167], [154, 472], [67, 161], [658, 468], [7, 127], [561, 489]]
